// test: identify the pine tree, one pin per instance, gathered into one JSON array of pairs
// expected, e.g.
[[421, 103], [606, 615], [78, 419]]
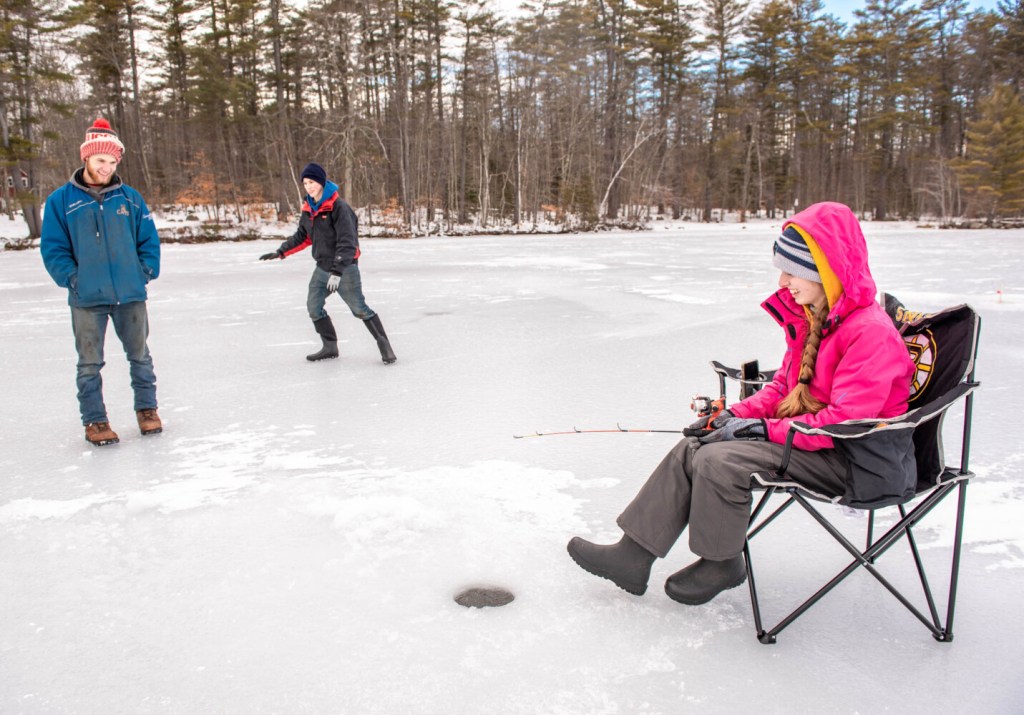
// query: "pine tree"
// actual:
[[1010, 47], [109, 55], [172, 30], [992, 173], [666, 38], [555, 53], [29, 72], [818, 90], [724, 20], [889, 38], [767, 55]]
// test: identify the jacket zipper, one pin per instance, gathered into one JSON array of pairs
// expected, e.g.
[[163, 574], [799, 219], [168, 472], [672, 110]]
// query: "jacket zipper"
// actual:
[[106, 248]]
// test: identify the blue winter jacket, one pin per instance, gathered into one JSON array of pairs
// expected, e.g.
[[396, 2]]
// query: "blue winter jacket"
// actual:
[[101, 244]]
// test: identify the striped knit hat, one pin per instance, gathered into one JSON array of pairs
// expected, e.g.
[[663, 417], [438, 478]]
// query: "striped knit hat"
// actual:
[[101, 139], [792, 256]]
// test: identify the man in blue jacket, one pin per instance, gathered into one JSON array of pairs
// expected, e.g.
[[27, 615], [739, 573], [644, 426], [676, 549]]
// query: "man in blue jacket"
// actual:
[[99, 241]]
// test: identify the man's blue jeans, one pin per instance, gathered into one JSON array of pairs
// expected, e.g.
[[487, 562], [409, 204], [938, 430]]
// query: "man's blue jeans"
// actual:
[[350, 290], [131, 323]]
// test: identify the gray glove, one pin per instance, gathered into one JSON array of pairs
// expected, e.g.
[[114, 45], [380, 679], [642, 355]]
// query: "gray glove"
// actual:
[[270, 256], [700, 427], [333, 282], [738, 428]]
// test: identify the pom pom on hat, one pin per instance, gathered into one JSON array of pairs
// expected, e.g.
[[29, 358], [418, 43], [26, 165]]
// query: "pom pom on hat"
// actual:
[[315, 172], [101, 139]]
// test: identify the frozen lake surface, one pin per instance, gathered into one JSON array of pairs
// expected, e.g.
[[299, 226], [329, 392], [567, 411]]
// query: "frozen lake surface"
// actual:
[[293, 541]]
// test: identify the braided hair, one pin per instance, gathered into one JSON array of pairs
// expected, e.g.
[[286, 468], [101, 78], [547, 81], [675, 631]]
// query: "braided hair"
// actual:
[[800, 401]]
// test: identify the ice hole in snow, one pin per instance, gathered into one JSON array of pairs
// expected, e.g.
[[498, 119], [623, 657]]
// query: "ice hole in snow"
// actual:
[[484, 597]]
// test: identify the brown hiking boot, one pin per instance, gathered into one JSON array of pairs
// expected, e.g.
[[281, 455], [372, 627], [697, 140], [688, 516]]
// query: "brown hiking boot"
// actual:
[[149, 421], [99, 434]]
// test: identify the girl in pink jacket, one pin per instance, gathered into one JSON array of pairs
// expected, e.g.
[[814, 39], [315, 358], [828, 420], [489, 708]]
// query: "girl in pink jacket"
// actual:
[[844, 360]]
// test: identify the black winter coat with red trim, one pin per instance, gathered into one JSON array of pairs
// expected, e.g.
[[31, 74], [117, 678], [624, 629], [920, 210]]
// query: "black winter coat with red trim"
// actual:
[[332, 229]]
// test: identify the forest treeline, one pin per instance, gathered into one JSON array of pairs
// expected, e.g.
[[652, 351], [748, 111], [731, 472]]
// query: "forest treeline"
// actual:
[[582, 111]]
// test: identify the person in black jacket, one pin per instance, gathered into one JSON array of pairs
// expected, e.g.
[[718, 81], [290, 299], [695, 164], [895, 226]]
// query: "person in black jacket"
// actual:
[[331, 227]]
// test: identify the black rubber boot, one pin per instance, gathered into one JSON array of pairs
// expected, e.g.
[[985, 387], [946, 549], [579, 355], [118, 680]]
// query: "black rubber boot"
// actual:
[[377, 331], [325, 329], [704, 579], [626, 564]]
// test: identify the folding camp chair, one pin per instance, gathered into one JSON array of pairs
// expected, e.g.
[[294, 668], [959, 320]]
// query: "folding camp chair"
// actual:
[[944, 347]]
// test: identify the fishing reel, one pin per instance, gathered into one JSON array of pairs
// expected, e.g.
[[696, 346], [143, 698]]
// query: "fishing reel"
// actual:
[[705, 406]]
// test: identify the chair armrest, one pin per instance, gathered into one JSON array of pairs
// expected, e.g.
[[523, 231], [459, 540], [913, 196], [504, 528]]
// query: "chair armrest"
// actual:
[[857, 429], [763, 377], [861, 429]]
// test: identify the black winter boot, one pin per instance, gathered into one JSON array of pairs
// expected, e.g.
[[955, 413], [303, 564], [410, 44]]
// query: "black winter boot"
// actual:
[[704, 579], [377, 331], [325, 329], [626, 564]]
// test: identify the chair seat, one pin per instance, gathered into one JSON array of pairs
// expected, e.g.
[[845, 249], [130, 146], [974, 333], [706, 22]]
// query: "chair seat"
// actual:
[[764, 480]]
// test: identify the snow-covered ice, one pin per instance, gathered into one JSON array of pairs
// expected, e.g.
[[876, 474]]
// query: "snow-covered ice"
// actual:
[[293, 541]]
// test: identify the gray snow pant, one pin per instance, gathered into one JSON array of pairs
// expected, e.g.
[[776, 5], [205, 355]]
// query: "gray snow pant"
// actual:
[[709, 488]]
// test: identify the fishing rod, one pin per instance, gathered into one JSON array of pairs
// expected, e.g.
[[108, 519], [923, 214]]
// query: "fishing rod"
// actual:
[[703, 406], [618, 428]]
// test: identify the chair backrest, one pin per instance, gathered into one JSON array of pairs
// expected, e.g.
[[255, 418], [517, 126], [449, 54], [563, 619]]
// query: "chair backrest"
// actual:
[[944, 346]]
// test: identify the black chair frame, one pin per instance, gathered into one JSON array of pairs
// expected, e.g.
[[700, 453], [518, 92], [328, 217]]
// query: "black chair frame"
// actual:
[[776, 483]]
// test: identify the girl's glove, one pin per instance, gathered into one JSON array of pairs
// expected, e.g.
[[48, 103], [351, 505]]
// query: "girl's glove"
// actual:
[[737, 428], [700, 427]]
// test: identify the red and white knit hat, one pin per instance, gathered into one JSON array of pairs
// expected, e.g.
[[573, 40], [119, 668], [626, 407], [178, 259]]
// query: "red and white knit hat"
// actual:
[[101, 139]]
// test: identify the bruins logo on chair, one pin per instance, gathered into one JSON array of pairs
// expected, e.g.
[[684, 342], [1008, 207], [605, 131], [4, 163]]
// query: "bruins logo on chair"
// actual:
[[923, 350]]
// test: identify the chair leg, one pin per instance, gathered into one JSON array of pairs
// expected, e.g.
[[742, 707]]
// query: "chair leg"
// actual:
[[954, 576], [925, 586], [752, 532], [764, 637], [942, 633], [865, 559]]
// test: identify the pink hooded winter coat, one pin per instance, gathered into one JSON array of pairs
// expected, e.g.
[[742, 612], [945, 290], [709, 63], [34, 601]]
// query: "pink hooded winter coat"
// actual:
[[863, 369]]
